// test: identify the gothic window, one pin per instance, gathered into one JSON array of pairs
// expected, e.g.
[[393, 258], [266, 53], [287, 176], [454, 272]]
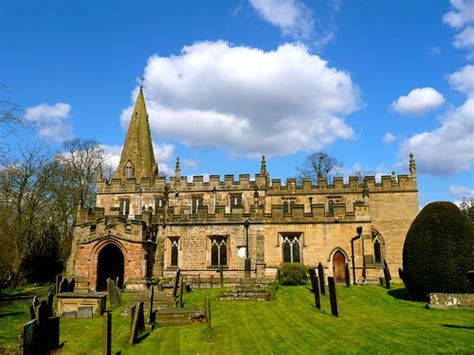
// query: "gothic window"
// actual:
[[291, 249], [196, 201], [218, 251], [286, 207], [377, 251], [174, 251], [129, 170], [235, 200], [124, 207]]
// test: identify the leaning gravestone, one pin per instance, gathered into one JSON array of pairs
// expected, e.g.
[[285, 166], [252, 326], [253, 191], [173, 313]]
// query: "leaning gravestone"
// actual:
[[28, 338], [114, 294], [63, 286], [176, 283], [322, 280], [348, 275], [315, 286], [107, 334], [181, 292], [138, 325], [332, 296], [58, 282], [386, 274], [32, 312], [49, 302], [53, 333]]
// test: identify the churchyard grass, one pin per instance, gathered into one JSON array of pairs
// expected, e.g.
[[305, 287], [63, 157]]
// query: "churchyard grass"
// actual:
[[371, 320]]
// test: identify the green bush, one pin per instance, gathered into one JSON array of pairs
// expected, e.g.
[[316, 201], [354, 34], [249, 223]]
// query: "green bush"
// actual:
[[438, 251], [293, 274]]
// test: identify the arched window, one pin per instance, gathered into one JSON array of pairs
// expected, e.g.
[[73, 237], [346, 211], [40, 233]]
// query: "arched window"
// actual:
[[291, 249], [218, 251], [330, 207], [174, 251], [286, 207]]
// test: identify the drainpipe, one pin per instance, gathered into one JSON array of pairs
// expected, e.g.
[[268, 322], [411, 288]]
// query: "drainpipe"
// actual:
[[359, 234]]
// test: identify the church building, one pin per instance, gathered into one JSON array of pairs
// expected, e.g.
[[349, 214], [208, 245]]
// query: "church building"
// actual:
[[146, 226]]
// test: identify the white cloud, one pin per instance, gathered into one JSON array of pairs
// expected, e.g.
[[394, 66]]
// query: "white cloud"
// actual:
[[190, 163], [461, 191], [462, 14], [52, 121], [389, 138], [163, 156], [247, 100], [463, 80], [292, 17], [464, 39], [448, 149], [418, 102]]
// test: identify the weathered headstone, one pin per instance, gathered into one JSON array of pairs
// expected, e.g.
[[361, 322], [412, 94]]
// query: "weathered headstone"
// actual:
[[176, 283], [386, 275], [35, 302], [114, 293], [315, 286], [63, 286], [32, 312], [53, 333], [221, 276], [133, 309], [28, 338], [322, 279], [85, 312], [72, 285], [50, 301], [385, 265], [138, 325], [347, 275], [207, 311], [181, 292], [107, 334], [332, 296], [41, 331]]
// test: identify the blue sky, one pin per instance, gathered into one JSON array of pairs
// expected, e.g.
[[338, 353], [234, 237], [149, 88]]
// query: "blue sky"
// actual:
[[227, 81]]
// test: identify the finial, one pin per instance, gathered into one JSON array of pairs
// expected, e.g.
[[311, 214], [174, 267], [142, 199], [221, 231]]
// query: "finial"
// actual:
[[177, 169], [394, 176], [263, 166], [142, 80], [412, 165]]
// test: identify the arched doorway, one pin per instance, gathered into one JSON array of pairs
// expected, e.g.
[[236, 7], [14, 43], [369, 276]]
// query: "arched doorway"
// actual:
[[339, 266], [110, 264]]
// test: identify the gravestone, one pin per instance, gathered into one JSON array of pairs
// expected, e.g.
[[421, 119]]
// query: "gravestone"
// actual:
[[207, 311], [332, 296], [85, 312], [176, 283], [385, 265], [71, 286], [114, 294], [348, 275], [53, 333], [181, 291], [107, 334], [133, 309], [50, 301], [386, 275], [221, 276], [212, 281], [41, 331], [138, 325], [71, 314], [32, 312], [199, 281], [322, 279], [28, 338], [63, 286], [315, 286]]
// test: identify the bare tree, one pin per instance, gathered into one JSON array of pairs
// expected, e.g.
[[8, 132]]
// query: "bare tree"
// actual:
[[10, 119], [319, 165], [467, 208]]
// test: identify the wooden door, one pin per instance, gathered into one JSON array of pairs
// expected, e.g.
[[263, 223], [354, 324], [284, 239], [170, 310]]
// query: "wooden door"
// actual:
[[338, 266]]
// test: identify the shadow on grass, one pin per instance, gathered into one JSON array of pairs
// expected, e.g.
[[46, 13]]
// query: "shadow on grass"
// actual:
[[142, 337], [457, 326], [11, 314], [401, 294]]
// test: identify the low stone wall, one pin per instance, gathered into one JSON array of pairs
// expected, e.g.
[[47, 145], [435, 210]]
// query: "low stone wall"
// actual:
[[451, 300]]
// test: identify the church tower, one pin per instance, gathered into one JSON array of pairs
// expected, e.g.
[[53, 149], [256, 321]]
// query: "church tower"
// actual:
[[137, 159]]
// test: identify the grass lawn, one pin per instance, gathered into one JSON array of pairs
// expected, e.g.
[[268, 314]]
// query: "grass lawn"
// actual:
[[372, 320]]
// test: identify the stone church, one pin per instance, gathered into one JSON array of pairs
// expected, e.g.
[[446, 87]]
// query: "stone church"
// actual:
[[146, 226]]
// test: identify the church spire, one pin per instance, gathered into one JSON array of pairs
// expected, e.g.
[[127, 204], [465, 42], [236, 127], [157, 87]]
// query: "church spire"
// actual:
[[137, 159]]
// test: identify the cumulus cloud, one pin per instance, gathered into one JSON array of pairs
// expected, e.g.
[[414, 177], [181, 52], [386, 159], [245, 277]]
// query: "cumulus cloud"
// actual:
[[464, 39], [292, 17], [461, 191], [51, 120], [463, 80], [448, 149], [418, 102], [247, 100], [389, 138], [163, 156], [462, 14]]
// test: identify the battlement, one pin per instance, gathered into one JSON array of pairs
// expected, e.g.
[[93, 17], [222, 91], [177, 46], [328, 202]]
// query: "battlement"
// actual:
[[387, 183]]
